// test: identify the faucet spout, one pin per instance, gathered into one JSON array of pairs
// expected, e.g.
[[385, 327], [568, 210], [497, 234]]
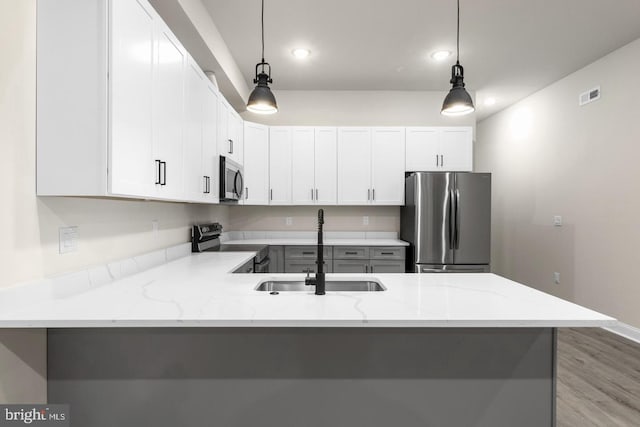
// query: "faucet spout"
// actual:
[[320, 280]]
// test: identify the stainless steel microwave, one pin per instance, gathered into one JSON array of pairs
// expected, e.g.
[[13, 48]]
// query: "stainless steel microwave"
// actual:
[[231, 180]]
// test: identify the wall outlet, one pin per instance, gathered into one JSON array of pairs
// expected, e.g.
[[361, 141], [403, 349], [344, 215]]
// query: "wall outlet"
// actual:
[[67, 239], [365, 220], [557, 221], [288, 220], [155, 226], [556, 278]]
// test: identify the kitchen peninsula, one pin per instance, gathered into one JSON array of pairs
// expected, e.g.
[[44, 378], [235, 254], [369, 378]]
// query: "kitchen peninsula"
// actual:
[[409, 355]]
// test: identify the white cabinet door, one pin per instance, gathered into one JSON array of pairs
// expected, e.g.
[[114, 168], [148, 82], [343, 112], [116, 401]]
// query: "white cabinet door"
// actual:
[[131, 165], [439, 149], [387, 158], [354, 166], [196, 185], [237, 136], [169, 113], [224, 138], [280, 165], [210, 163], [326, 166], [303, 166], [423, 149], [256, 164], [456, 147]]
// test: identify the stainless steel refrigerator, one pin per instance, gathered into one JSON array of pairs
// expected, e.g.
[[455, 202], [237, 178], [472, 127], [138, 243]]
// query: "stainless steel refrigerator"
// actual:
[[447, 221]]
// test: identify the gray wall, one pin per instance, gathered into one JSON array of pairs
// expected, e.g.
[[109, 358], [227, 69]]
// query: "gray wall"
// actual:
[[551, 157]]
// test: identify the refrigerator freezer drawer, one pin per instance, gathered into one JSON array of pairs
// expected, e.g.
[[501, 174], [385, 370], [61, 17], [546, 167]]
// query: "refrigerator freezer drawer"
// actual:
[[451, 268]]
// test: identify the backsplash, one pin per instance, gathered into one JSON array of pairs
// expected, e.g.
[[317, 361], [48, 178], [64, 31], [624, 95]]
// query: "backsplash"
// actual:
[[305, 218]]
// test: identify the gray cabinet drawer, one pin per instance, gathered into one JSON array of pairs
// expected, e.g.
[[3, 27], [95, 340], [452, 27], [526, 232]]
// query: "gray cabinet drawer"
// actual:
[[302, 266], [383, 266], [391, 252], [305, 252], [350, 266], [350, 252]]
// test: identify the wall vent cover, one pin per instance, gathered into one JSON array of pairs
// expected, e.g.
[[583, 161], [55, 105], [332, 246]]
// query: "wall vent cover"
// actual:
[[589, 96]]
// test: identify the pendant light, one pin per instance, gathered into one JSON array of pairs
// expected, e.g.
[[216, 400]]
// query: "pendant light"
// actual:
[[458, 101], [261, 100]]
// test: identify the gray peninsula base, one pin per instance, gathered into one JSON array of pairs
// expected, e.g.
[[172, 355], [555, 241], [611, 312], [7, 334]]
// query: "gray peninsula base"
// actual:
[[312, 377]]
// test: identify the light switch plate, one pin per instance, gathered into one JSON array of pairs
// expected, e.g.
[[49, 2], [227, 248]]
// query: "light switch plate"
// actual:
[[557, 221], [365, 220], [67, 239], [288, 220]]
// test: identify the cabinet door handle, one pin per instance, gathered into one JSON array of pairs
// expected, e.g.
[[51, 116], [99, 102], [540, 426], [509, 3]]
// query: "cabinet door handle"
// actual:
[[158, 167], [366, 268], [246, 193], [316, 194], [350, 253], [164, 173], [371, 268], [230, 146], [437, 160], [368, 194], [386, 253], [271, 194], [204, 182], [374, 193], [312, 194], [308, 253], [441, 160]]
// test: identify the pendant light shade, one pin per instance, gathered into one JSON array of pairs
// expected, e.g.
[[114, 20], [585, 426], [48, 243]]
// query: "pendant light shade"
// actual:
[[262, 100], [458, 102]]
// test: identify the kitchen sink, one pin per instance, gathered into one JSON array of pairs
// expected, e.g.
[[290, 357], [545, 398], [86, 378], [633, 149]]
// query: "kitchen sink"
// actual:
[[331, 286]]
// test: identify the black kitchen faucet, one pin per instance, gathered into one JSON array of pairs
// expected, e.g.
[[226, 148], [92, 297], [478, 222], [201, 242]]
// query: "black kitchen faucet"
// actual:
[[318, 281]]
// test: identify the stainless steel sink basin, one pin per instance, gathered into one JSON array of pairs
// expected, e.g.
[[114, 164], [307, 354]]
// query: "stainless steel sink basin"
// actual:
[[331, 286]]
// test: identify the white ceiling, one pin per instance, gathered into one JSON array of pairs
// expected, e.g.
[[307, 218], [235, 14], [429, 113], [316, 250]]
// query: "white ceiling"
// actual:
[[509, 48]]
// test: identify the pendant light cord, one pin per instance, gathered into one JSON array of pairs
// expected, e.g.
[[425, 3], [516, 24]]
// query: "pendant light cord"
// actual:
[[262, 24], [457, 37]]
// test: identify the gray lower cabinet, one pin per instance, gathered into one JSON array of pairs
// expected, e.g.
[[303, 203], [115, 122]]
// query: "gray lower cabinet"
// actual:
[[276, 259], [350, 266], [306, 252], [374, 259], [304, 266], [386, 266]]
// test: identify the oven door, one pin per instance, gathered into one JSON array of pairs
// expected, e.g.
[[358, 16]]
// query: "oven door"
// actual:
[[262, 267], [231, 180]]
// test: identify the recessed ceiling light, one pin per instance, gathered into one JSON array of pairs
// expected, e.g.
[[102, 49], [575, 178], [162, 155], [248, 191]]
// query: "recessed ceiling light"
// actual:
[[441, 55], [300, 52], [490, 101]]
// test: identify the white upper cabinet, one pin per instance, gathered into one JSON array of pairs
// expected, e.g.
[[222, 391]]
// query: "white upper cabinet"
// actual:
[[210, 163], [439, 149], [388, 157], [132, 170], [168, 105], [230, 130], [256, 164], [280, 139], [129, 117], [326, 166], [371, 166], [201, 103], [354, 166], [303, 166]]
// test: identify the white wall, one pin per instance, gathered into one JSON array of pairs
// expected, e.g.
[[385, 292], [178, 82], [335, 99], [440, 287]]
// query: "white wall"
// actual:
[[305, 218], [551, 157], [108, 229]]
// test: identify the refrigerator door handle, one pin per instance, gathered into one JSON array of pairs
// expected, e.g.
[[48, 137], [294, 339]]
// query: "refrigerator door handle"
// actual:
[[457, 220], [452, 222]]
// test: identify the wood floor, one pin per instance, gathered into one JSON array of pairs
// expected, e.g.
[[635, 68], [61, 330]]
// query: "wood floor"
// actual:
[[598, 379]]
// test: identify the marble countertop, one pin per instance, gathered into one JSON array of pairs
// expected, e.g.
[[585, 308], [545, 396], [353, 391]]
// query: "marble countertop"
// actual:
[[290, 241], [199, 291]]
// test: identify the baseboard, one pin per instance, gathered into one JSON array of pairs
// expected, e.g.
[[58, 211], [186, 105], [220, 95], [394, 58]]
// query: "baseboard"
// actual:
[[627, 331]]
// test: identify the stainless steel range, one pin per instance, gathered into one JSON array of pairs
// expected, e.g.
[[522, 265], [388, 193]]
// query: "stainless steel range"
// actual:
[[206, 238]]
